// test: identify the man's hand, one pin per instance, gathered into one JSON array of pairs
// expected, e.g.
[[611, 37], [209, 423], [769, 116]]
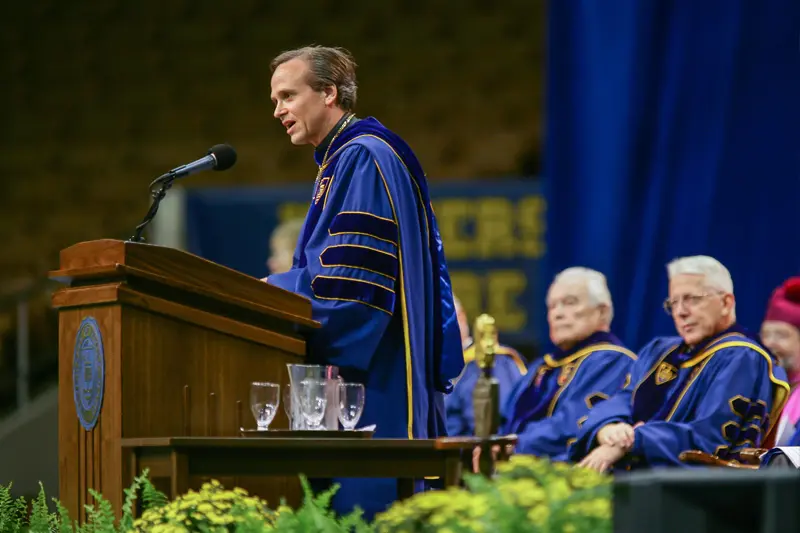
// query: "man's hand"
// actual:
[[602, 458], [264, 279], [476, 455], [619, 434]]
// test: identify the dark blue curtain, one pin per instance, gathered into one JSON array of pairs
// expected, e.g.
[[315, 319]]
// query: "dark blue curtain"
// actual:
[[673, 129]]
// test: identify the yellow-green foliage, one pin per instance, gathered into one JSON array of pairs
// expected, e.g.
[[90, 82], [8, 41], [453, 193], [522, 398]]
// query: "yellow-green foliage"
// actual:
[[527, 494], [213, 509]]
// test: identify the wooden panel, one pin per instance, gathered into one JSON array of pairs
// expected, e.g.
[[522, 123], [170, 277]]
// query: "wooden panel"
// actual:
[[164, 355], [179, 269], [170, 369], [89, 459], [118, 292], [181, 378], [263, 460], [145, 281]]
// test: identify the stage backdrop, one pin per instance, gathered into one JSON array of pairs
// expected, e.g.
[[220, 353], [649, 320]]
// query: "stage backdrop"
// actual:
[[493, 232], [673, 128]]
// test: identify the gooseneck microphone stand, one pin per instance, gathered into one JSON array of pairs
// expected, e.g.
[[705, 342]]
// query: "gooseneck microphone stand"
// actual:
[[165, 181], [219, 157]]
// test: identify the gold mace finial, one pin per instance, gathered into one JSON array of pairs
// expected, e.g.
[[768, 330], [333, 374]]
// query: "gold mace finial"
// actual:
[[485, 341]]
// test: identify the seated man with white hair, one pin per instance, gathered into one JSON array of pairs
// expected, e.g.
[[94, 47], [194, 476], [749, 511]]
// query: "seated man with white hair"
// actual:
[[588, 365], [714, 388]]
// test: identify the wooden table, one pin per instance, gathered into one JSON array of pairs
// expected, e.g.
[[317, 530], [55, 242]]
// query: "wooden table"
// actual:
[[179, 458]]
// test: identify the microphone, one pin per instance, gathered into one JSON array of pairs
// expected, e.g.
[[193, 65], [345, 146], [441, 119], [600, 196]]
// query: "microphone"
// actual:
[[220, 157]]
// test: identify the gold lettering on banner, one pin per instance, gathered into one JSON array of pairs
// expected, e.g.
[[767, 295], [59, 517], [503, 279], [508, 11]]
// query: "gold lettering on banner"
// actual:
[[492, 228], [452, 215], [467, 286], [291, 210], [498, 292], [531, 221], [504, 289]]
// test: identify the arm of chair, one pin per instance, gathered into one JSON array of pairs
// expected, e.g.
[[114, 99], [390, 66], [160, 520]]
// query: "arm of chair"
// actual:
[[696, 457], [752, 456], [472, 445], [450, 443]]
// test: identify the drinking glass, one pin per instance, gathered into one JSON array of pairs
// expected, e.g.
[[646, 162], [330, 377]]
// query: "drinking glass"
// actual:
[[287, 403], [351, 404], [313, 401], [264, 400]]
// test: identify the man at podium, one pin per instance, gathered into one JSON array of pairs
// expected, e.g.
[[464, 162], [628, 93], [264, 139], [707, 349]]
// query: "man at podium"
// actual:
[[369, 258]]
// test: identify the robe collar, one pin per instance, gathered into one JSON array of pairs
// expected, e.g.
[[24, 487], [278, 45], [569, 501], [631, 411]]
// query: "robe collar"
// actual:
[[319, 151], [595, 338], [690, 351]]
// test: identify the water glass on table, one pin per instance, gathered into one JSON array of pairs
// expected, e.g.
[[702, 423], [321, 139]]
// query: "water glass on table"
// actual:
[[312, 395], [287, 402], [264, 400], [351, 404]]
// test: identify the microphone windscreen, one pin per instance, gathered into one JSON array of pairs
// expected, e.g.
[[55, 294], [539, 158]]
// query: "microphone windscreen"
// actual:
[[225, 156]]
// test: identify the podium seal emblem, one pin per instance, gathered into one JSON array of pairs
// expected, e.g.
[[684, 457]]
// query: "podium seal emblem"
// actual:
[[88, 373]]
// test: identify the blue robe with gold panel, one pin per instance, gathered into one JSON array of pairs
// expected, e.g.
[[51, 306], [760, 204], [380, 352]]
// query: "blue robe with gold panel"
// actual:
[[371, 261], [723, 395], [547, 406], [509, 367]]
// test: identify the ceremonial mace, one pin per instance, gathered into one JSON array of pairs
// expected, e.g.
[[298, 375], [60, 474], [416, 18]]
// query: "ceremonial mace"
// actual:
[[486, 394]]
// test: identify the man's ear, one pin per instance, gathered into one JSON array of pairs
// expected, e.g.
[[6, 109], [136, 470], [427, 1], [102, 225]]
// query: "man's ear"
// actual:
[[728, 302], [331, 93]]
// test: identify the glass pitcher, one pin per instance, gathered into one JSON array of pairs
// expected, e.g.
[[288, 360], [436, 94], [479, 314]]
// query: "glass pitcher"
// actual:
[[329, 375]]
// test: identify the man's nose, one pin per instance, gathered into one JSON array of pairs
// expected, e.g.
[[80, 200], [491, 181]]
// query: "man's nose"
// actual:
[[279, 110]]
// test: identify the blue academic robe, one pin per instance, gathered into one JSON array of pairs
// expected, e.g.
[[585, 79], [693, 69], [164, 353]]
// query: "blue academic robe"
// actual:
[[509, 368], [546, 407], [371, 260], [719, 397]]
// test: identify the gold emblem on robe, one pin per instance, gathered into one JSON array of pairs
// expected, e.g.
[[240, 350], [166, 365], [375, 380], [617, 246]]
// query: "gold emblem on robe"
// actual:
[[665, 373], [323, 186], [540, 375], [565, 374]]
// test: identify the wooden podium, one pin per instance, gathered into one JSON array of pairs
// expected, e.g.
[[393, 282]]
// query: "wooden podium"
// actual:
[[156, 342]]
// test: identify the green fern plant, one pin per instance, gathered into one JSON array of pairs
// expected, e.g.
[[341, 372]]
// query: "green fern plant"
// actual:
[[100, 516], [41, 520], [315, 515], [62, 519], [13, 512], [152, 498]]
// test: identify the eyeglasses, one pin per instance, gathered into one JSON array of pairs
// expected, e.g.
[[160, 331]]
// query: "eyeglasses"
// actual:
[[689, 301]]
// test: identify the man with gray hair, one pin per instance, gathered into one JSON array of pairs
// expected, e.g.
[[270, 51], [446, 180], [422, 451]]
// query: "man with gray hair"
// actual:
[[588, 364], [714, 388], [370, 260]]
